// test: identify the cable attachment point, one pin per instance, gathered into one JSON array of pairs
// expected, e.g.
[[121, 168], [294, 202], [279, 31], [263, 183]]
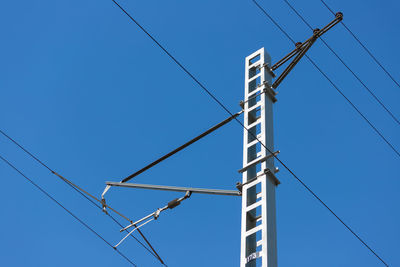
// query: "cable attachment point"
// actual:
[[239, 186], [241, 104], [104, 206], [103, 200], [339, 15], [267, 68]]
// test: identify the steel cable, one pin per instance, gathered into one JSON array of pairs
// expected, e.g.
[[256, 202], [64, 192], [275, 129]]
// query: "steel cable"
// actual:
[[67, 210], [364, 47], [85, 194], [344, 64]]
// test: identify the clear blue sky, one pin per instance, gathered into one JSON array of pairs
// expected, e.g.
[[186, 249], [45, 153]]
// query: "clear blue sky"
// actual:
[[90, 95]]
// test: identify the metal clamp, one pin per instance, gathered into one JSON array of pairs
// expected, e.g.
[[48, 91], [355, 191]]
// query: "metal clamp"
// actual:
[[103, 200], [268, 68]]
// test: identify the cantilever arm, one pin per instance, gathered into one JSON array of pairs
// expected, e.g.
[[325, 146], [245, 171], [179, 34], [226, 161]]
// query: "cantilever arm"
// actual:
[[178, 189]]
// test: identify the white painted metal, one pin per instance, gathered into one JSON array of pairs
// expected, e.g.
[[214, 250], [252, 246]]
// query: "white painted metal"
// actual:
[[258, 233], [131, 232]]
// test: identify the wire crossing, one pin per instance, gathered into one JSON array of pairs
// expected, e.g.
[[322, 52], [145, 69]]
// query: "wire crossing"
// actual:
[[89, 197], [67, 210], [255, 137], [364, 47], [331, 82], [344, 64]]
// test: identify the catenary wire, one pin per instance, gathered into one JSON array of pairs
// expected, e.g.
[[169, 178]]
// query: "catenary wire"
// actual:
[[67, 210], [85, 194], [364, 47], [330, 81], [344, 63], [228, 111]]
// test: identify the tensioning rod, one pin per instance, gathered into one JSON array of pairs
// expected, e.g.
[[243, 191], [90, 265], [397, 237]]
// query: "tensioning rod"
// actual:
[[212, 129]]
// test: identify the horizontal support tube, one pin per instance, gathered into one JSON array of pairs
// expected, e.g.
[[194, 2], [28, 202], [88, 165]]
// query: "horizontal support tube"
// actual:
[[178, 189]]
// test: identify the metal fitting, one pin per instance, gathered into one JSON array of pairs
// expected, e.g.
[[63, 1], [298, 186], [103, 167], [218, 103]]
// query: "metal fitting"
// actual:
[[156, 214], [241, 104], [239, 186]]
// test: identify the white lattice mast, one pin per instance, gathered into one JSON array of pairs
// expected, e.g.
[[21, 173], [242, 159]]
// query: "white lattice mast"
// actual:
[[258, 230]]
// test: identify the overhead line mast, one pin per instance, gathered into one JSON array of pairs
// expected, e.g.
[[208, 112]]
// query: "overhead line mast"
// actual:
[[258, 239], [258, 229]]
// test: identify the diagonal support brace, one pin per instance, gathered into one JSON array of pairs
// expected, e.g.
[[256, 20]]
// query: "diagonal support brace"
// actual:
[[212, 129]]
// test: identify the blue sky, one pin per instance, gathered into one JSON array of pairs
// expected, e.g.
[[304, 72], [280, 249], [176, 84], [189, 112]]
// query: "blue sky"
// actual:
[[88, 93]]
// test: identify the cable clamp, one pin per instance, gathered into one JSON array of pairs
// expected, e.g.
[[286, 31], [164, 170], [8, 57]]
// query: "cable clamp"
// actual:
[[268, 68], [269, 90], [103, 200]]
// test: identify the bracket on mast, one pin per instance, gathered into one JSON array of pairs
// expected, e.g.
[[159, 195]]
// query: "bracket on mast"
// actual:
[[300, 51], [258, 160], [239, 185]]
